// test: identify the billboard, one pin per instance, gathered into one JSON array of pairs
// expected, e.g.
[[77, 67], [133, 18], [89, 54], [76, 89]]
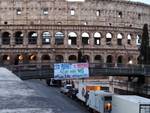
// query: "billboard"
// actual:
[[69, 71]]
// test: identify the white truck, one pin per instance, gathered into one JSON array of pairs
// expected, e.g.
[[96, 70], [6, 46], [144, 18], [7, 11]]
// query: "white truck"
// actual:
[[84, 88], [130, 104], [100, 101]]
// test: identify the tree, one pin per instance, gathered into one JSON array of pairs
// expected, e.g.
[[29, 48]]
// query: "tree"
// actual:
[[144, 48]]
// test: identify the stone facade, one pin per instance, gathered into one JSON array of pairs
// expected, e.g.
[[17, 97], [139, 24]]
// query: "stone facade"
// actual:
[[106, 31]]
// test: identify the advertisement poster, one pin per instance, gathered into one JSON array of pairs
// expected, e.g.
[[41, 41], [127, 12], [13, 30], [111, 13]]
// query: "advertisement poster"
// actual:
[[69, 71]]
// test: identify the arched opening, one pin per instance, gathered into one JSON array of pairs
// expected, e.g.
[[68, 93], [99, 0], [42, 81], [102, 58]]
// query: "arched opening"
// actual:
[[72, 58], [119, 39], [130, 60], [138, 40], [86, 58], [18, 59], [6, 38], [59, 58], [120, 14], [59, 38], [46, 38], [109, 59], [98, 58], [18, 37], [72, 38], [85, 38], [120, 60], [129, 39], [97, 38], [32, 57], [108, 39], [32, 37], [5, 59], [139, 60], [45, 58]]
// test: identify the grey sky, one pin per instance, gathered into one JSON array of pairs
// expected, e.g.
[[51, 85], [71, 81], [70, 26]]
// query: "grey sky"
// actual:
[[145, 1]]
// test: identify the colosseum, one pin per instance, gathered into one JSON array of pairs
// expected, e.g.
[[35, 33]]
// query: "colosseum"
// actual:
[[105, 31]]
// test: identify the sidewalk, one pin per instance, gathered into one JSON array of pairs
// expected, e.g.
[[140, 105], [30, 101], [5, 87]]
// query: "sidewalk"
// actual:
[[17, 97]]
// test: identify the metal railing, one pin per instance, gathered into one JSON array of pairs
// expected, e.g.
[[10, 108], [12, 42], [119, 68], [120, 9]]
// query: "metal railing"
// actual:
[[46, 70]]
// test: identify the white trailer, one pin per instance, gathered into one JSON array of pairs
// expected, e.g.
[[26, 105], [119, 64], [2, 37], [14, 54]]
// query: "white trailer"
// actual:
[[84, 88], [100, 101], [130, 104]]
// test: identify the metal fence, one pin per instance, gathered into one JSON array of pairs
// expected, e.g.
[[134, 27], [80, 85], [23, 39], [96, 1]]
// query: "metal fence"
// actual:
[[46, 70]]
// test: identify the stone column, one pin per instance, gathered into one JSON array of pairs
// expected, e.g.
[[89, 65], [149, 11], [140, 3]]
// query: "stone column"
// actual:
[[65, 39], [12, 40], [25, 38], [103, 39], [79, 40], [91, 40], [39, 39], [114, 39], [52, 39]]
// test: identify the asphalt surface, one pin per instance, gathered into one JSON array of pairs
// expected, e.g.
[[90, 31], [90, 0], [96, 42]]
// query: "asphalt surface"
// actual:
[[33, 96], [60, 102], [17, 97]]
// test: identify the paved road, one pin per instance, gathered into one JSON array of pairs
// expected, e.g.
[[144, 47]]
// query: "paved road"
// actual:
[[17, 97], [60, 102]]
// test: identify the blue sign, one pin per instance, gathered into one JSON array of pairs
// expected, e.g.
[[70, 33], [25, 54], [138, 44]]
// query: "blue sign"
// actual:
[[69, 71]]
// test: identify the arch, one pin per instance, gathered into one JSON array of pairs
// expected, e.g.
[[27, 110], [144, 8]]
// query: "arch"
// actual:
[[119, 39], [6, 38], [119, 36], [59, 58], [5, 57], [32, 57], [130, 60], [19, 37], [129, 37], [85, 38], [108, 38], [18, 59], [45, 57], [72, 58], [59, 38], [138, 40], [109, 35], [72, 34], [139, 60], [97, 35], [109, 59], [32, 37], [86, 58], [72, 38], [97, 38], [46, 37], [85, 34], [120, 59], [98, 58]]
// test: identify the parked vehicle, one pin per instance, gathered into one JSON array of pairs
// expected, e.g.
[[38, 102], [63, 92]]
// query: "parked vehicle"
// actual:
[[72, 93], [84, 88], [65, 89], [130, 104], [100, 101]]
